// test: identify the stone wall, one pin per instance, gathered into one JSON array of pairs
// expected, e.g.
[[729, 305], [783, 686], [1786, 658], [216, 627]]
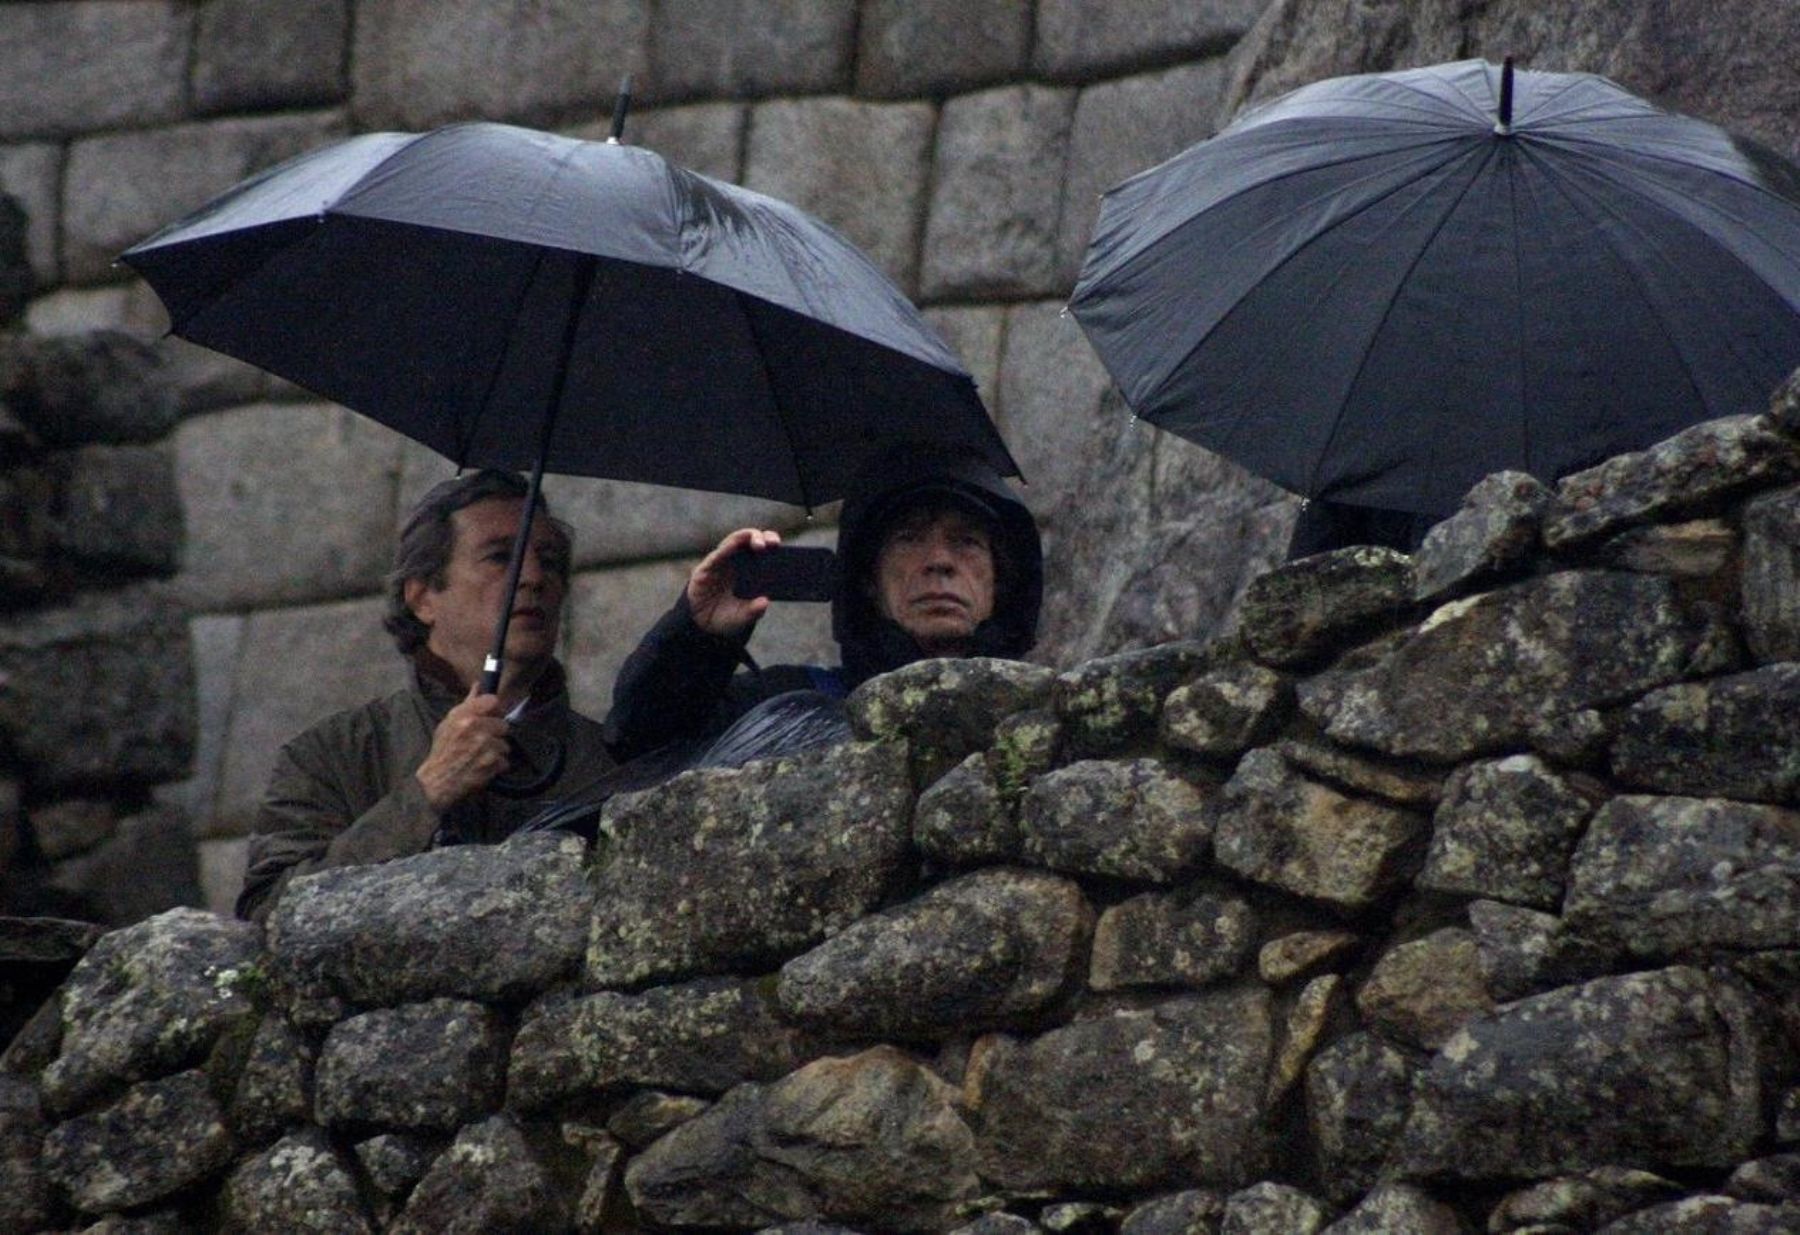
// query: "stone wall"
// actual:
[[1453, 892]]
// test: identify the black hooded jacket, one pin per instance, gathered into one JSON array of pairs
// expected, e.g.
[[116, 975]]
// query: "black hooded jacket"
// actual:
[[682, 683]]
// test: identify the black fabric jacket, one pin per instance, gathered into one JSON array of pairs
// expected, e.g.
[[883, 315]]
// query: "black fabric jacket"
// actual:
[[683, 684]]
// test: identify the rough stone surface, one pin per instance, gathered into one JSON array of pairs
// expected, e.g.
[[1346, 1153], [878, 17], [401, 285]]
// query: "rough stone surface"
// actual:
[[745, 48], [946, 709], [1130, 819], [703, 137], [118, 514], [983, 950], [269, 53], [99, 387], [873, 1139], [144, 868], [1494, 530], [1523, 951], [1586, 1201], [1697, 549], [1074, 38], [1398, 1209], [858, 166], [1269, 1208], [1191, 937], [1188, 1072], [1194, 1212], [1733, 737], [297, 1184], [159, 1137], [420, 63], [698, 1037], [1302, 954], [423, 1067], [961, 821], [29, 174], [1276, 827], [1308, 1022], [1771, 575], [649, 1114], [1400, 781], [1110, 702], [1227, 711], [1358, 1091], [118, 188], [249, 484], [1504, 831], [25, 1201], [275, 1083], [71, 826], [488, 1180], [395, 1161], [992, 226], [1053, 405], [1672, 877], [150, 999], [1423, 991], [721, 868], [1292, 614], [70, 68], [1645, 1068], [912, 47], [1475, 675], [475, 922], [1674, 477], [1706, 1215]]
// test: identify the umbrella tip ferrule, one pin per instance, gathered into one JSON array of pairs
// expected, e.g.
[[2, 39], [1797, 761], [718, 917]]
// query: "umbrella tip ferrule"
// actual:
[[1503, 126]]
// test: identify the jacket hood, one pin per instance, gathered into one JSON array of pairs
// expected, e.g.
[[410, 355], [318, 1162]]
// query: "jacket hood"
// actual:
[[891, 483]]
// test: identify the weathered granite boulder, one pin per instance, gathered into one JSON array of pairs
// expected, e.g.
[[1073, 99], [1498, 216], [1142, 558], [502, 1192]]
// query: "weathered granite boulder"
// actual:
[[274, 1082], [151, 999], [1108, 703], [1398, 1209], [1301, 954], [1129, 819], [117, 513], [1227, 711], [1191, 937], [698, 1037], [1706, 1215], [1188, 1073], [298, 1184], [488, 1180], [158, 1138], [1770, 591], [650, 1114], [1736, 737], [1403, 782], [1193, 1212], [424, 1067], [1423, 991], [1273, 1209], [724, 868], [1494, 531], [1292, 614], [1309, 1020], [1277, 827], [961, 819], [984, 950], [1585, 1202], [1696, 549], [1656, 1069], [25, 1201], [1675, 477], [909, 47], [873, 1139], [470, 921], [1358, 1092], [1683, 877], [1504, 831], [1476, 675], [946, 709], [76, 390], [393, 1162], [1525, 951]]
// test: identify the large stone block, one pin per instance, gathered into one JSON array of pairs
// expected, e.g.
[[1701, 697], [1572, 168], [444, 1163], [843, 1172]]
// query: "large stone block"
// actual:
[[25, 1203], [424, 1067], [1477, 674], [747, 48], [489, 922], [1319, 604], [1192, 937], [1504, 831], [1077, 38], [720, 869], [29, 174], [285, 503], [1733, 736], [1771, 575], [1655, 1069], [1680, 877], [1130, 819], [938, 47], [861, 167], [145, 867], [159, 1138], [488, 1180], [121, 187], [118, 513], [99, 693], [298, 1184], [1187, 1075], [420, 63], [1050, 389], [75, 67], [74, 390], [996, 193], [1124, 127], [946, 709], [215, 642], [1358, 1091], [252, 54], [1422, 991], [290, 668], [975, 333]]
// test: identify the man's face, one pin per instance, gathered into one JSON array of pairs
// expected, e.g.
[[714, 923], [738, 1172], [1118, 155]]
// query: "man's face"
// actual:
[[934, 578], [463, 612]]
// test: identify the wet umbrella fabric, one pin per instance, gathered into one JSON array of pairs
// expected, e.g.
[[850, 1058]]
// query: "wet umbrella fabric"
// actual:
[[1370, 290], [462, 284]]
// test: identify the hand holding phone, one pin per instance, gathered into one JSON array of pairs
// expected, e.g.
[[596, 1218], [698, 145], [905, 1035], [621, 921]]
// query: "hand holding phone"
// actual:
[[785, 573]]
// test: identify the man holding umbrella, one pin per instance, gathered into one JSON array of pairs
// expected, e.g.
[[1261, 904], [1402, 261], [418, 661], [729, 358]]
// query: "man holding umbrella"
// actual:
[[439, 762]]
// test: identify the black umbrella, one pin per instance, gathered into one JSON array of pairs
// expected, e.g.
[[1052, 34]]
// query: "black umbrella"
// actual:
[[1379, 289], [521, 300]]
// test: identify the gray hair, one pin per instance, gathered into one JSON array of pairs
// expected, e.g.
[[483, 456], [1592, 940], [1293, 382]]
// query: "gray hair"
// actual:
[[429, 537]]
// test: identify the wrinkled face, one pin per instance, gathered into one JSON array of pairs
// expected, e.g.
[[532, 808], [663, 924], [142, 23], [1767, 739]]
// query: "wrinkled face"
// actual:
[[934, 578], [463, 609]]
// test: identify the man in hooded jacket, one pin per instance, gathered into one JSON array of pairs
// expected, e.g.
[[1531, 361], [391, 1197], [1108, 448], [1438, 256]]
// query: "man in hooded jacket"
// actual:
[[936, 558]]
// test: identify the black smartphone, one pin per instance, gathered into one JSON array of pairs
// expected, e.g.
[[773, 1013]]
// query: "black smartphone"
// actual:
[[785, 573]]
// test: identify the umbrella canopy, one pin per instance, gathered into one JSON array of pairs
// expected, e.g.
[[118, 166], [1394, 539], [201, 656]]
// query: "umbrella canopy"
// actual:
[[472, 285], [1378, 289]]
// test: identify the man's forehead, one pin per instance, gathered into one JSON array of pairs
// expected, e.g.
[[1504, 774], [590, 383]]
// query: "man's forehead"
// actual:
[[939, 511], [497, 518]]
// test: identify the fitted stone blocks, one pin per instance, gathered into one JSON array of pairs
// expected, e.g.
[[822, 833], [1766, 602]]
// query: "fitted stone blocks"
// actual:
[[269, 53], [75, 67], [747, 48], [912, 47]]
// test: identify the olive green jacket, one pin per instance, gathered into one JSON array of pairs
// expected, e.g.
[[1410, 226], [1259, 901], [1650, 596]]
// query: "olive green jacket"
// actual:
[[343, 793]]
